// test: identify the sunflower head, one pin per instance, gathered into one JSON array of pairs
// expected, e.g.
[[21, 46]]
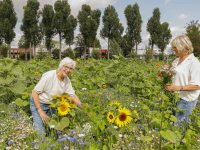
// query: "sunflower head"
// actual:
[[72, 103], [56, 97], [36, 73], [104, 86], [114, 103], [110, 117], [63, 109], [64, 98], [123, 118]]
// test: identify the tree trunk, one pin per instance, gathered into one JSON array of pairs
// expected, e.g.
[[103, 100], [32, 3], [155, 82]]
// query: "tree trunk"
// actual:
[[9, 55], [108, 48], [85, 52], [30, 50], [25, 54], [136, 47], [60, 46], [50, 52], [69, 45], [152, 50], [94, 45], [34, 47], [88, 52]]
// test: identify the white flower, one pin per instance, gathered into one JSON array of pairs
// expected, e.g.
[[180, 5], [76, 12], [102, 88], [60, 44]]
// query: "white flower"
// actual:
[[84, 89], [81, 135], [150, 132], [125, 136], [120, 135], [3, 111], [87, 127], [52, 126], [31, 117], [115, 127]]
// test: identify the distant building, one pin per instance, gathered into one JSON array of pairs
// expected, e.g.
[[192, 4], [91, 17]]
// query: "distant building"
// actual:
[[103, 53], [15, 52]]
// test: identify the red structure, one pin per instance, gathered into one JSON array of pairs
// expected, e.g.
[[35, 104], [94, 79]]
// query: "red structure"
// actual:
[[103, 53], [15, 52]]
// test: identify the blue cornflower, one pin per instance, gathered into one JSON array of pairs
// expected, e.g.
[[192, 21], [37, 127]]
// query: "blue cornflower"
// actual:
[[11, 113], [83, 131], [1, 120], [16, 112], [98, 141], [48, 149], [84, 98], [133, 144], [43, 141], [53, 115], [72, 131], [81, 103], [66, 147], [168, 60], [184, 119], [140, 125], [5, 99], [58, 132], [197, 114], [73, 140], [16, 117], [163, 141], [141, 119], [152, 108], [156, 129], [79, 140], [32, 143], [61, 136], [81, 143], [10, 142], [177, 140], [52, 145]]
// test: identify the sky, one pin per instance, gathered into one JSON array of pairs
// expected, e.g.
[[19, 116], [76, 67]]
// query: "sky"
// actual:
[[178, 13]]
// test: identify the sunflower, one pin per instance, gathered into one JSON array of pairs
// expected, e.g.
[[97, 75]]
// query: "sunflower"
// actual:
[[56, 96], [64, 98], [36, 73], [78, 59], [124, 117], [63, 109], [104, 86], [114, 103], [72, 103], [53, 106], [110, 117]]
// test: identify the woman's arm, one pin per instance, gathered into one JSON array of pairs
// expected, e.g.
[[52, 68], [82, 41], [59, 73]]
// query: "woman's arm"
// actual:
[[172, 87], [42, 114], [76, 100]]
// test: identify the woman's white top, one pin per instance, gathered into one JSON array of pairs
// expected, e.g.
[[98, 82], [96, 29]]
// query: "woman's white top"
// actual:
[[49, 85], [188, 72]]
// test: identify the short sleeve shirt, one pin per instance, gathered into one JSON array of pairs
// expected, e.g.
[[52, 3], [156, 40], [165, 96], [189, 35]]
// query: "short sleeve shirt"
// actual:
[[188, 72], [49, 85]]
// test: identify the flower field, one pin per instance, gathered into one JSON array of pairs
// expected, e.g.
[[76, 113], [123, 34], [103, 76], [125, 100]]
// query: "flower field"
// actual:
[[125, 107]]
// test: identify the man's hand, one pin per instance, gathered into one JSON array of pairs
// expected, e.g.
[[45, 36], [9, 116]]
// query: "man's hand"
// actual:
[[43, 116]]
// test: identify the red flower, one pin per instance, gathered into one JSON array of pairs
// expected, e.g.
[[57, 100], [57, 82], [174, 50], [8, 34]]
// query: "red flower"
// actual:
[[157, 64], [103, 103], [28, 92], [159, 75], [86, 104], [172, 142]]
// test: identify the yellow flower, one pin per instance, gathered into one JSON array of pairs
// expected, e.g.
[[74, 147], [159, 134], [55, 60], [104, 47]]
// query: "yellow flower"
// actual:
[[114, 103], [165, 98], [104, 86], [124, 117], [78, 59], [53, 106], [72, 103], [103, 112], [105, 140], [63, 109], [87, 61], [150, 60], [56, 96], [36, 73], [135, 112], [110, 117], [99, 93], [64, 98]]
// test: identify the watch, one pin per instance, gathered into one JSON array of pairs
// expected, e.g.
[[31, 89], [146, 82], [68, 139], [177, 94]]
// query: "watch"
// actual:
[[38, 108], [181, 88]]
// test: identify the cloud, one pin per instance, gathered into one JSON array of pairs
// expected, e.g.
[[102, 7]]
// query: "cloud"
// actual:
[[183, 17], [167, 1]]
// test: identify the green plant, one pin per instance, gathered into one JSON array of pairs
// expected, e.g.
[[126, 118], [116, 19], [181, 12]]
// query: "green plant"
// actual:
[[96, 54]]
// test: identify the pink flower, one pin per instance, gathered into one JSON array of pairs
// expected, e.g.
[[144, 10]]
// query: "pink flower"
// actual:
[[38, 79], [86, 104], [159, 75]]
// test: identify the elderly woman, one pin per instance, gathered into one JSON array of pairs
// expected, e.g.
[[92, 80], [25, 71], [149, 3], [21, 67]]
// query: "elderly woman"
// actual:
[[187, 78], [52, 83]]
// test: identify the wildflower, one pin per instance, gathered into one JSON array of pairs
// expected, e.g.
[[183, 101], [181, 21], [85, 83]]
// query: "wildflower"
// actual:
[[103, 112], [58, 132], [78, 59], [84, 98], [156, 129], [52, 126], [150, 60], [72, 103], [48, 149], [52, 145], [120, 135], [84, 89], [105, 140], [99, 93], [104, 86], [63, 109], [124, 117], [110, 117], [53, 106], [32, 143], [53, 115], [103, 103], [10, 142], [81, 144], [140, 126], [159, 75], [72, 131], [36, 73], [86, 104], [114, 103], [157, 64], [98, 141], [38, 79]]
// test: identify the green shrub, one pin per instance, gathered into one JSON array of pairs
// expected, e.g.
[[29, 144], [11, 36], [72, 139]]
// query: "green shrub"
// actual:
[[68, 53], [96, 54], [22, 56], [161, 56]]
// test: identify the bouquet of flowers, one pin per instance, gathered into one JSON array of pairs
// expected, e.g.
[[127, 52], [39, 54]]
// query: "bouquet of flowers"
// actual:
[[166, 74]]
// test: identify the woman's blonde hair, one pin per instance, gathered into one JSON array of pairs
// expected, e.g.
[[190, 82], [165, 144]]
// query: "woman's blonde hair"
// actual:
[[183, 44]]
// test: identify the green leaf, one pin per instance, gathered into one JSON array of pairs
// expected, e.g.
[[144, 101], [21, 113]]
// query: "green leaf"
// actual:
[[173, 118], [104, 147], [169, 135], [18, 88], [19, 102], [169, 148], [72, 113], [53, 122], [6, 81], [64, 122], [146, 138]]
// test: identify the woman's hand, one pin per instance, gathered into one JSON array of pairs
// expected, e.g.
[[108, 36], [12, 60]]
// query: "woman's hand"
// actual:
[[172, 87], [43, 116]]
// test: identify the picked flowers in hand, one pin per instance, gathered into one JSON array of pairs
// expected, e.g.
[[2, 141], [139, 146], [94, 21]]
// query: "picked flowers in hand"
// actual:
[[166, 73]]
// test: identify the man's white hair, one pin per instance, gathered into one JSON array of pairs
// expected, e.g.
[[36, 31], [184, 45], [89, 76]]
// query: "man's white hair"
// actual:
[[65, 61]]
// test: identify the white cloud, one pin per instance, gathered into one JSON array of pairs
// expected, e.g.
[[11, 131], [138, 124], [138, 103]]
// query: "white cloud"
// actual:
[[167, 1], [183, 17]]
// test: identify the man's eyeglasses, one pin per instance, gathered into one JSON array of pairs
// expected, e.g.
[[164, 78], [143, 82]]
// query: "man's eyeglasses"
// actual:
[[68, 68]]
